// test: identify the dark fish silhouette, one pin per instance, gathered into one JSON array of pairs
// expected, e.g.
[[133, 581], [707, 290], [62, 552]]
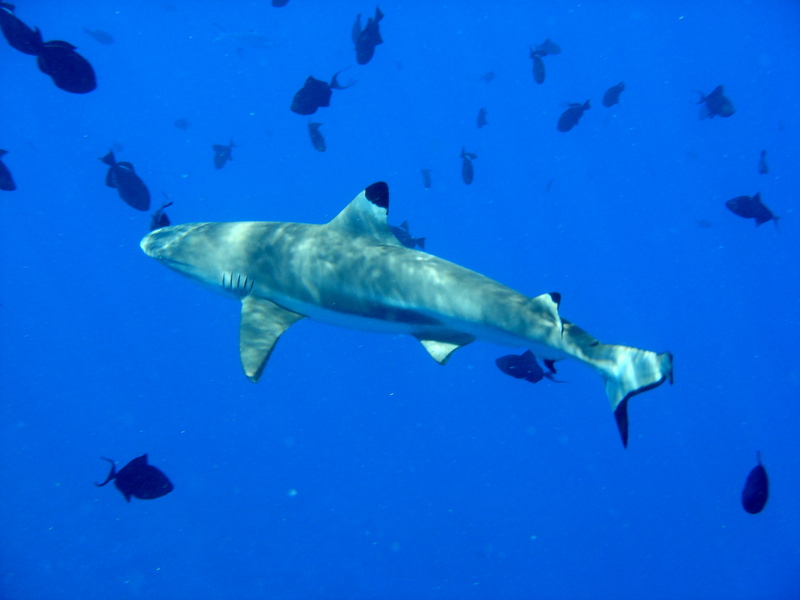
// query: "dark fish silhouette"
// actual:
[[716, 103], [704, 224], [763, 167], [6, 181], [611, 97], [280, 3], [482, 118], [138, 479], [182, 124], [467, 171], [538, 67], [547, 47], [366, 39], [315, 94], [222, 154], [99, 36], [159, 218], [524, 366], [128, 184], [18, 35], [570, 117], [69, 70], [316, 137], [756, 489], [488, 77], [751, 207], [426, 178], [403, 234]]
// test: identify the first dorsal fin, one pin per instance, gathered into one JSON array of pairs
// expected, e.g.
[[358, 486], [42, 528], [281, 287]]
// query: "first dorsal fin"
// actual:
[[367, 215]]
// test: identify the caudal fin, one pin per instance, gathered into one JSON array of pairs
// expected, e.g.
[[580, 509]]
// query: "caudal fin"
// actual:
[[627, 372]]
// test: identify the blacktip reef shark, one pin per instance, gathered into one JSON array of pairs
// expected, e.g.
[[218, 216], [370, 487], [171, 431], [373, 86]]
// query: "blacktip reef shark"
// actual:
[[353, 272]]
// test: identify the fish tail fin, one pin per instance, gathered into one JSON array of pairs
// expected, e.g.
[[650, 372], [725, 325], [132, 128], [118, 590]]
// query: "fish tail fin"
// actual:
[[421, 243], [111, 474], [628, 372], [109, 158], [334, 84]]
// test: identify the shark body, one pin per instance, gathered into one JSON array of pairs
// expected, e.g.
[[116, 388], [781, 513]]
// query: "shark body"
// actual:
[[353, 272]]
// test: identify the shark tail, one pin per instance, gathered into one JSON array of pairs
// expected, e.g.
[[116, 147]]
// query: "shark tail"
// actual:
[[628, 372]]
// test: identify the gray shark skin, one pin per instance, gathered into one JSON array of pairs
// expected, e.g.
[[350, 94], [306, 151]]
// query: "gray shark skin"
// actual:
[[354, 273]]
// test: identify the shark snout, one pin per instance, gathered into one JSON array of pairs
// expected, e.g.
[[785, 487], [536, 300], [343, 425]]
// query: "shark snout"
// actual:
[[163, 243]]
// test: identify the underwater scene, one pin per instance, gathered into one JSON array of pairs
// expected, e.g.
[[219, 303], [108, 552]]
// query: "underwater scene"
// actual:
[[506, 300]]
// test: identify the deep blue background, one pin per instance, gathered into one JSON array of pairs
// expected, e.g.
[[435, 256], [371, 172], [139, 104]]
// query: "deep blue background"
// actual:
[[410, 480]]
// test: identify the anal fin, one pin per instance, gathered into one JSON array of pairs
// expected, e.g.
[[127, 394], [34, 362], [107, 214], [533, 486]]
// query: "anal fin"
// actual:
[[262, 323]]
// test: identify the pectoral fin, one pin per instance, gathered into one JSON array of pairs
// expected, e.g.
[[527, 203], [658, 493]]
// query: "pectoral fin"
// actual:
[[261, 325], [441, 351]]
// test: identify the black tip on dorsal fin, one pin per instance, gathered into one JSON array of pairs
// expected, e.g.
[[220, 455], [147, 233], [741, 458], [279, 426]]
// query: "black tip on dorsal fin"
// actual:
[[621, 416], [378, 194], [556, 297]]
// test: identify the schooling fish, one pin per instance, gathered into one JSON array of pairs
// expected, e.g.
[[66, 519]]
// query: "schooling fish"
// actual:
[[159, 218], [570, 117], [138, 479], [366, 39], [128, 184], [222, 154], [611, 97], [548, 47], [716, 103], [524, 366], [538, 67], [467, 171], [99, 35], [315, 94], [6, 181], [482, 118], [756, 489], [751, 207], [18, 35], [316, 137], [403, 235], [69, 70], [426, 178], [763, 167]]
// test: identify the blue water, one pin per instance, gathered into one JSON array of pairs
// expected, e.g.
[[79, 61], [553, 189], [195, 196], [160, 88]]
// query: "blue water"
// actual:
[[358, 467]]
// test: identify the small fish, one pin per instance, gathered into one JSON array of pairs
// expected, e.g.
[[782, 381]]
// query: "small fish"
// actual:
[[467, 171], [69, 70], [222, 154], [138, 479], [99, 36], [570, 117], [538, 67], [366, 39], [426, 178], [127, 183], [763, 167], [316, 137], [716, 103], [18, 35], [704, 224], [315, 94], [279, 3], [548, 47], [403, 234], [182, 124], [549, 185], [756, 489], [751, 207], [611, 97], [488, 77], [482, 118], [159, 218], [525, 366], [6, 181]]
